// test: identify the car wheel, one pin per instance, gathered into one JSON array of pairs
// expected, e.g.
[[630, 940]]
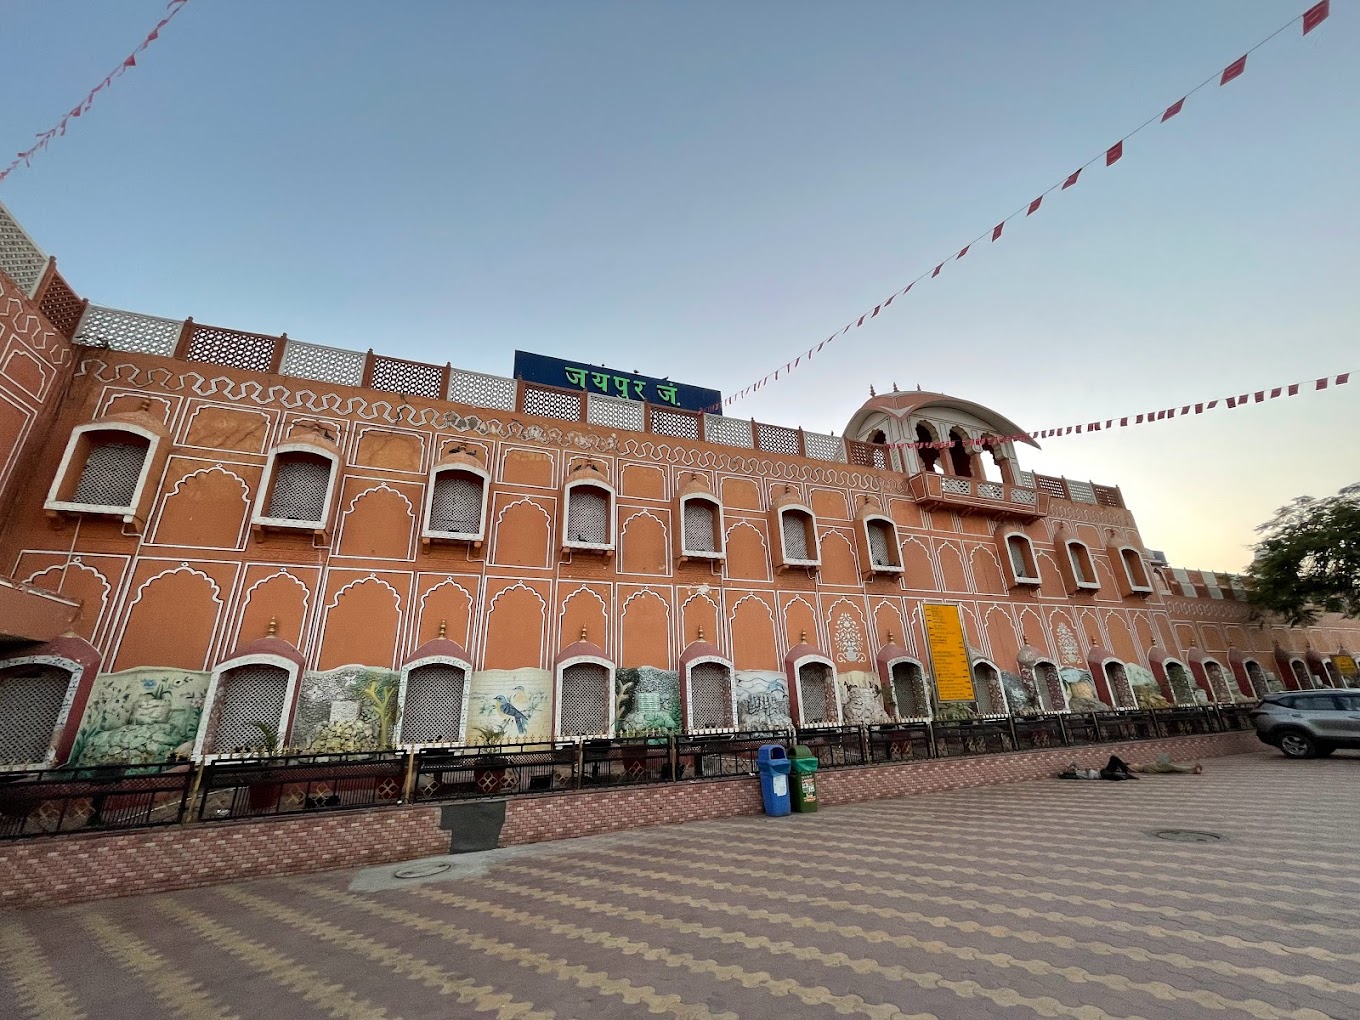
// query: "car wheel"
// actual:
[[1297, 744]]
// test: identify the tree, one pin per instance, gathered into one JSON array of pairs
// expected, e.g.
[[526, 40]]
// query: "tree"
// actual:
[[1308, 563]]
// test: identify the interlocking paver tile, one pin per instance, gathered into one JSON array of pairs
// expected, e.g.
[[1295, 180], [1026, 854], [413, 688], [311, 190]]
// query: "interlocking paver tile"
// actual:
[[1045, 899]]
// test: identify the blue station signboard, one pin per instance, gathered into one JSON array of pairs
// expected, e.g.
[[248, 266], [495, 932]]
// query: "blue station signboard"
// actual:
[[575, 375]]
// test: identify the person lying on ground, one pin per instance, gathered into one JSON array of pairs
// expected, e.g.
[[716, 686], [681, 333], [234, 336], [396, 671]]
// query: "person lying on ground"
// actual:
[[1115, 769], [1164, 766]]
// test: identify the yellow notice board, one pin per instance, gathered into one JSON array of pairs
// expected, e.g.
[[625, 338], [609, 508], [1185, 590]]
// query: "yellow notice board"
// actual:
[[1345, 665], [948, 653]]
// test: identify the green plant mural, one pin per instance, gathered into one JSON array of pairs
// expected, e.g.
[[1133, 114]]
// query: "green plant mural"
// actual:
[[139, 716], [646, 701], [352, 708]]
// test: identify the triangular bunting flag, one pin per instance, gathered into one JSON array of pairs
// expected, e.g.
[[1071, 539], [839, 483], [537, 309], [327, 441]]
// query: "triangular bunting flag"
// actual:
[[1034, 206], [1233, 70], [1173, 109], [1071, 180], [1114, 153], [996, 230], [1316, 15]]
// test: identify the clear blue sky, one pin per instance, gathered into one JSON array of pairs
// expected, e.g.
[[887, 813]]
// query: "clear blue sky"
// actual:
[[702, 189]]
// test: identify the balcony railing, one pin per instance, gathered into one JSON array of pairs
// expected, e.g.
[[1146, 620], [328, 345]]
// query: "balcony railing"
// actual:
[[978, 496]]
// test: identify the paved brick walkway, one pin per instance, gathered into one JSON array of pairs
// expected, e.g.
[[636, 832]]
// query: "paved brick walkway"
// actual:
[[1050, 899]]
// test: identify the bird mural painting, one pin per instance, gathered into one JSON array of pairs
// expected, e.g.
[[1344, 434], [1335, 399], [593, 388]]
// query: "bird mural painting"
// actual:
[[512, 713]]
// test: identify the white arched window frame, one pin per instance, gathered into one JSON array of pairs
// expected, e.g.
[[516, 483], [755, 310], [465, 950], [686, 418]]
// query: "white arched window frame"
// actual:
[[1176, 697], [906, 660], [84, 441], [403, 685], [1046, 690], [813, 543], [719, 540], [1120, 686], [886, 529], [261, 517], [832, 694], [610, 521], [1004, 707], [1083, 565], [609, 699], [1302, 674], [1256, 679], [726, 665], [1021, 546], [446, 475], [75, 672], [215, 690], [1135, 570]]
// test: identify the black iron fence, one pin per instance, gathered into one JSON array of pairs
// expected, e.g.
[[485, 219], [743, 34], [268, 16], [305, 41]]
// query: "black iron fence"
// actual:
[[54, 801]]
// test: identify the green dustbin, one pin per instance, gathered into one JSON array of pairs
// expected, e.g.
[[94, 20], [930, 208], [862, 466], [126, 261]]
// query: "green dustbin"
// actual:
[[804, 779]]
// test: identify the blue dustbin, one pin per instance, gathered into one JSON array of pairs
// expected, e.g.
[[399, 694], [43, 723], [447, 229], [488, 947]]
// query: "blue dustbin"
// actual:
[[774, 766]]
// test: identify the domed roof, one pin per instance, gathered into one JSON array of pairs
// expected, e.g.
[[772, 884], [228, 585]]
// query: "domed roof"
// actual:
[[905, 403]]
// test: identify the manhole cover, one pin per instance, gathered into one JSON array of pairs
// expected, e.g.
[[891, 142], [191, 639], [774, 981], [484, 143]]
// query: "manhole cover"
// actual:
[[1188, 836], [423, 870]]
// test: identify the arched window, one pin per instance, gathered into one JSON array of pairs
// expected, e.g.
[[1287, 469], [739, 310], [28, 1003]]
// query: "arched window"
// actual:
[[909, 691], [106, 469], [1334, 677], [1083, 568], [701, 521], [987, 689], [1020, 556], [1135, 570], [1257, 678], [297, 488], [817, 705], [1218, 681], [31, 700], [456, 504], [711, 697], [1048, 683], [959, 457], [585, 701], [1301, 674], [930, 459], [879, 548], [589, 521], [798, 535], [433, 704], [1117, 680], [245, 710], [1183, 688]]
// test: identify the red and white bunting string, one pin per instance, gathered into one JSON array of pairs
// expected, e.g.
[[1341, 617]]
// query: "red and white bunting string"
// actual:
[[26, 157], [1311, 18], [1147, 417]]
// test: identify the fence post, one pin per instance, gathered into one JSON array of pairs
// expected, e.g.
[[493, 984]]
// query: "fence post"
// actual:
[[198, 768], [1157, 730], [1015, 738], [1095, 721], [580, 766], [930, 737], [864, 743], [1062, 731], [191, 784], [408, 786], [674, 756]]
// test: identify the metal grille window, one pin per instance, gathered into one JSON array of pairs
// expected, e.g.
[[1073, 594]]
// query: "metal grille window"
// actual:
[[246, 696], [814, 695], [585, 700], [299, 488], [909, 691], [710, 697], [795, 527], [456, 506], [588, 516], [881, 543], [112, 467], [987, 690], [433, 708], [30, 701], [701, 526], [1182, 688]]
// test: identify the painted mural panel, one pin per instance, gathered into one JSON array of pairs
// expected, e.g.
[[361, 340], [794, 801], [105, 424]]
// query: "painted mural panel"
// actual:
[[1146, 690], [510, 706], [1081, 690], [349, 708], [861, 698], [647, 701], [763, 700], [140, 715], [1022, 695]]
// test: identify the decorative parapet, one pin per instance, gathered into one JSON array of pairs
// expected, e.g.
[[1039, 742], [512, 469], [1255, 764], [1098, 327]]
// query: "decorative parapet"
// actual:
[[20, 257]]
